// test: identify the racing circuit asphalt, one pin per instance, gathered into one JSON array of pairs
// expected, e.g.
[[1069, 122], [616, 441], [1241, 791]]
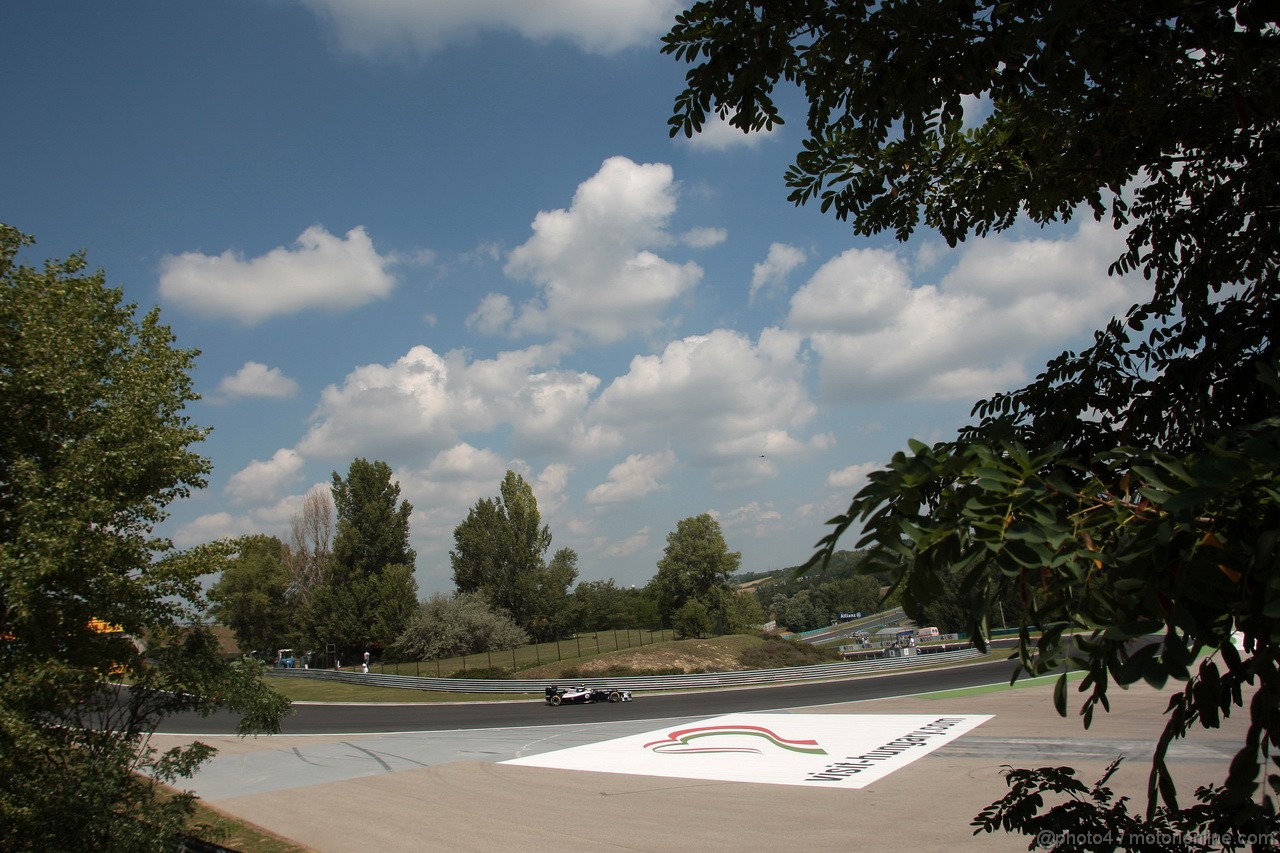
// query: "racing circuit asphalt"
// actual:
[[313, 719]]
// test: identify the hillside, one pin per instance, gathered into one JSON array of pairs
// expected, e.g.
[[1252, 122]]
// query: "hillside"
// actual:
[[718, 654]]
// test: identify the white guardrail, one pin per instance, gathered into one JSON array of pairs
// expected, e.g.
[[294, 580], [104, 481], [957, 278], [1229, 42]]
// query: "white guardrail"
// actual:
[[638, 683]]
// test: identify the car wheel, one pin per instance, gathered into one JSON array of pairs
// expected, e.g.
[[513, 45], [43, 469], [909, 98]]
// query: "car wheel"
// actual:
[[554, 700], [615, 696]]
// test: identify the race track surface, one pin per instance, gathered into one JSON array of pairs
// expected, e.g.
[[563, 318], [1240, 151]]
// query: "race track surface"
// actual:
[[378, 718]]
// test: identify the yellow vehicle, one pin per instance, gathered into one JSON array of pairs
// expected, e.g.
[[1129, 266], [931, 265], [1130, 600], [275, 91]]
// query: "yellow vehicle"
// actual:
[[104, 627]]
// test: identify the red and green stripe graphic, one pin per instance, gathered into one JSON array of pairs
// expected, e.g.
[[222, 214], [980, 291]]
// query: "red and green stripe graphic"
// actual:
[[680, 742]]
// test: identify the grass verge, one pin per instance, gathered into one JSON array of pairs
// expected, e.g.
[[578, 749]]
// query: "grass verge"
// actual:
[[209, 824], [214, 827]]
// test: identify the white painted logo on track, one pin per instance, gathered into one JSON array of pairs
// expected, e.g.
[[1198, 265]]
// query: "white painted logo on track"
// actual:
[[812, 750]]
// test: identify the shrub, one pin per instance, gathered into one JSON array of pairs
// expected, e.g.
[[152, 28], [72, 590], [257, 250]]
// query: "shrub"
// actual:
[[775, 653], [490, 673]]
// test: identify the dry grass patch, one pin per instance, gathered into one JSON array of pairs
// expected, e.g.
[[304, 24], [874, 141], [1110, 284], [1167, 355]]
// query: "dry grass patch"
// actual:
[[719, 654]]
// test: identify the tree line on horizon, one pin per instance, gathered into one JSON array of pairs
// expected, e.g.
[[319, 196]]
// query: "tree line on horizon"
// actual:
[[344, 583]]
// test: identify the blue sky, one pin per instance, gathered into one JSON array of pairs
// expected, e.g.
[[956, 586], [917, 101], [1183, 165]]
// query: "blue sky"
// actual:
[[456, 237]]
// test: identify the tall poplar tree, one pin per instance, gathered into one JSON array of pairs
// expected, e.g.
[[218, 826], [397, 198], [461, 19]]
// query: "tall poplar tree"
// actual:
[[373, 523], [500, 549], [367, 594]]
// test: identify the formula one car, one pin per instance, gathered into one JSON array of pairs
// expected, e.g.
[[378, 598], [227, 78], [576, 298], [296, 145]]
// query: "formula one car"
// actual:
[[585, 695]]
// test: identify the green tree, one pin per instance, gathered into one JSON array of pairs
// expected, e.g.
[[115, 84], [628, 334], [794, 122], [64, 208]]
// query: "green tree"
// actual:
[[695, 562], [547, 604], [603, 606], [251, 597], [394, 601], [373, 523], [644, 607], [692, 620], [95, 445], [736, 611], [860, 593], [837, 589], [366, 592], [361, 613], [499, 550], [1132, 486], [801, 612], [462, 624]]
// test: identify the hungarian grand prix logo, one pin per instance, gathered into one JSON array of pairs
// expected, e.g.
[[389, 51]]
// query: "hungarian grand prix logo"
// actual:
[[681, 741]]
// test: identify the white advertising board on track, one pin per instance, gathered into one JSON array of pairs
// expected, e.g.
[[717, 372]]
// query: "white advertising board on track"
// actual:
[[813, 750]]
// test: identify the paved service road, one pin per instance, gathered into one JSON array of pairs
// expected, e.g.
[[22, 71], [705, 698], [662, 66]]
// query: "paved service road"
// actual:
[[350, 718]]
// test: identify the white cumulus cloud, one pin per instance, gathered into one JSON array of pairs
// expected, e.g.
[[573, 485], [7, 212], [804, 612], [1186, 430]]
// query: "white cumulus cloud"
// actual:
[[320, 271], [594, 263], [551, 487], [639, 475], [493, 315], [704, 238], [255, 379], [630, 545], [211, 527], [399, 27], [881, 336], [263, 480], [423, 402], [771, 274], [725, 398], [851, 476], [751, 519]]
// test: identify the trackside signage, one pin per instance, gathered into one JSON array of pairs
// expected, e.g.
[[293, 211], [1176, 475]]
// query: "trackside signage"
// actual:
[[919, 740], [812, 750]]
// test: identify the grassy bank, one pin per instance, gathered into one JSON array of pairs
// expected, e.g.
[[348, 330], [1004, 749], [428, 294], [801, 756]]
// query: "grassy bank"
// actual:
[[215, 827], [669, 657], [533, 656]]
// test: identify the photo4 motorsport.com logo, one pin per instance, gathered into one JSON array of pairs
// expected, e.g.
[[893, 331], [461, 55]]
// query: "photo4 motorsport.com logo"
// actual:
[[1048, 839]]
